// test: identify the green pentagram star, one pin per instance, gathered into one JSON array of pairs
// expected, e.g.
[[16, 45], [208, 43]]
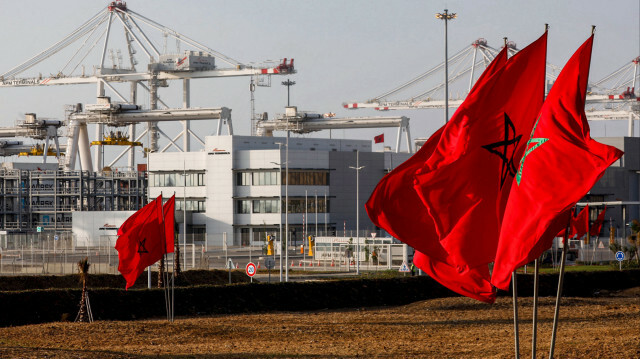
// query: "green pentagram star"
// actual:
[[537, 142]]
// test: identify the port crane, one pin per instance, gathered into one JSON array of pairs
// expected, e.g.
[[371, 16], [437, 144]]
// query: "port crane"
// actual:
[[35, 128], [306, 122], [465, 65], [96, 35], [611, 98]]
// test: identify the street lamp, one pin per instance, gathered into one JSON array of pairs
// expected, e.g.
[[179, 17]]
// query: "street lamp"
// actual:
[[357, 168], [280, 203], [288, 83], [184, 213], [446, 16]]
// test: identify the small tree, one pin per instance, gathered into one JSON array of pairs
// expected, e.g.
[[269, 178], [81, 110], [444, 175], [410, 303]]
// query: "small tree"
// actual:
[[161, 273], [633, 239], [176, 261], [84, 312]]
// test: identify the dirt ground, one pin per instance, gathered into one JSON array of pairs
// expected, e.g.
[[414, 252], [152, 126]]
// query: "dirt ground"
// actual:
[[606, 327]]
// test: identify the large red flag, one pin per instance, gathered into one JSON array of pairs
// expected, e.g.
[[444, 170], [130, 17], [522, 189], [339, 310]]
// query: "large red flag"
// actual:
[[561, 164], [169, 210], [466, 182], [143, 243], [595, 229], [396, 207]]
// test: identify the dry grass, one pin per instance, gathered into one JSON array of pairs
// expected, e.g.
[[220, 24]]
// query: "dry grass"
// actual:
[[440, 328]]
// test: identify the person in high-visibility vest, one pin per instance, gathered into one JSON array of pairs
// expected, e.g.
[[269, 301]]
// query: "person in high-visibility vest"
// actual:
[[311, 244], [269, 246]]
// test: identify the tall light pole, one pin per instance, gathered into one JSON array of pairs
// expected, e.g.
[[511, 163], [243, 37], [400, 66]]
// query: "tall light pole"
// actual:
[[357, 168], [184, 213], [286, 208], [326, 209], [288, 83], [446, 16], [280, 203]]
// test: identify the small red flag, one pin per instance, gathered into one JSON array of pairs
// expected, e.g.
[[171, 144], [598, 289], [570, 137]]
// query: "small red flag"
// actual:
[[143, 243], [595, 229], [562, 162], [379, 138], [465, 184], [579, 224]]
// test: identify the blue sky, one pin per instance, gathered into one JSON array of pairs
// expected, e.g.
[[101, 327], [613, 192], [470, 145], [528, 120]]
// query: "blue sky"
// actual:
[[343, 50]]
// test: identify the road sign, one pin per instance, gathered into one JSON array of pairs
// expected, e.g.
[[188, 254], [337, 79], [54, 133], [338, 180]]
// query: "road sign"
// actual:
[[269, 262], [55, 238], [39, 229], [404, 268], [230, 264], [251, 269], [620, 256]]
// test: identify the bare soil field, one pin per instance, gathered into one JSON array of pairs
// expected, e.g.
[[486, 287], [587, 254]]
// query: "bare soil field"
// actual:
[[602, 327]]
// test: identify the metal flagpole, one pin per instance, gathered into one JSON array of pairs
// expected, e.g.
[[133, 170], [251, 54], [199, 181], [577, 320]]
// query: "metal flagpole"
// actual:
[[514, 283], [534, 330], [565, 244]]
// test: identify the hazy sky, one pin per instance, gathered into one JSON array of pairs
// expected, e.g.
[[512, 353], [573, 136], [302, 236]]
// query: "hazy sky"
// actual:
[[344, 50]]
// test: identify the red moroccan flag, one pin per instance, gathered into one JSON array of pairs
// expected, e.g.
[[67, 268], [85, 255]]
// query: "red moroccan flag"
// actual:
[[466, 182], [379, 138], [596, 227], [561, 164], [143, 243], [169, 210], [396, 207], [580, 226], [472, 283]]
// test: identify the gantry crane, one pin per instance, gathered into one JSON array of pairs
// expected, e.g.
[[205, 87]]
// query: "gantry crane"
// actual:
[[98, 33], [612, 98], [465, 62], [305, 122], [35, 128]]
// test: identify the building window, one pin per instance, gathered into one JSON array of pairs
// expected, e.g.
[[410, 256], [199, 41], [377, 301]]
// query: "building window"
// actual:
[[243, 206], [308, 178], [296, 205], [265, 178], [265, 206], [243, 178], [177, 179], [193, 205]]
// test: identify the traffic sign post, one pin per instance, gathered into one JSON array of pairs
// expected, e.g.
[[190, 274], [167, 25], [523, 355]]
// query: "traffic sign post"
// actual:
[[620, 258], [404, 268], [251, 270], [229, 266], [270, 263]]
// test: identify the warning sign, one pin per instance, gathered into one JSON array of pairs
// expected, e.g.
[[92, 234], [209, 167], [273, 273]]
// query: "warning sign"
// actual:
[[404, 268]]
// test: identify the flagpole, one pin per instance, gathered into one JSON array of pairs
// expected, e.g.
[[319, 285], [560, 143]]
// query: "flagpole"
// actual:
[[515, 313], [534, 330], [167, 299], [565, 244], [173, 268]]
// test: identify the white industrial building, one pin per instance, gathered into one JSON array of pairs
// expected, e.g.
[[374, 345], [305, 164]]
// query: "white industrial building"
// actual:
[[233, 186]]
